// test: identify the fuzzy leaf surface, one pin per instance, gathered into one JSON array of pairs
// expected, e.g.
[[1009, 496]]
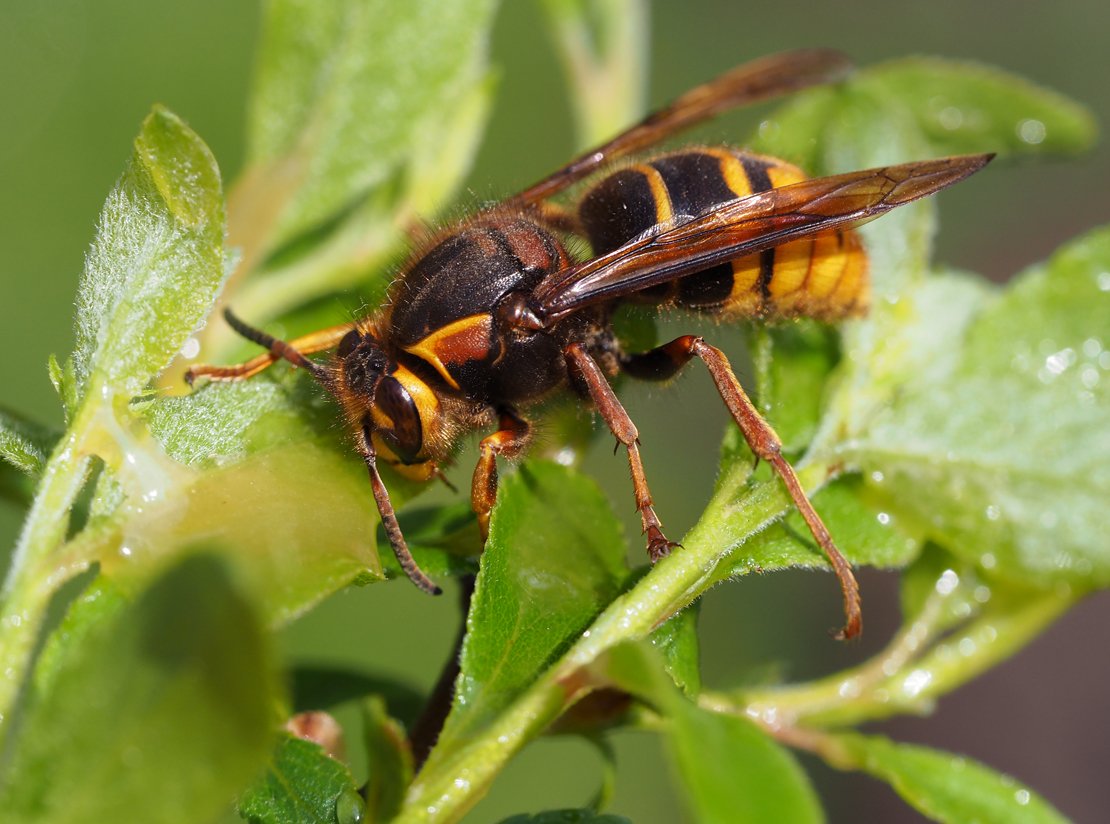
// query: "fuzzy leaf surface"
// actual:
[[1001, 451], [157, 261], [23, 444], [344, 90]]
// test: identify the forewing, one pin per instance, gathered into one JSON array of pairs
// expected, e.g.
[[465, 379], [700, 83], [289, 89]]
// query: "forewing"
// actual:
[[743, 226]]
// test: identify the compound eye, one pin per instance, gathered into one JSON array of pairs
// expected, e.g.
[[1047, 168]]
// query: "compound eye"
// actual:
[[348, 343], [406, 436]]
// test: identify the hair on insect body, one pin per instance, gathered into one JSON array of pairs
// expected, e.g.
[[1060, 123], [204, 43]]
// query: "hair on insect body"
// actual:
[[493, 313]]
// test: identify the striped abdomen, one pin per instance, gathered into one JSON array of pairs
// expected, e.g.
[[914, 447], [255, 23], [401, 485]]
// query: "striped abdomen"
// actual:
[[823, 277]]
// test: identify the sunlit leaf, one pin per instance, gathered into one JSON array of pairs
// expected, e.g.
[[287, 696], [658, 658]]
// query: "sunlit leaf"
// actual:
[[343, 91], [156, 263], [1001, 451], [943, 106], [958, 585], [865, 533], [222, 423], [296, 540]]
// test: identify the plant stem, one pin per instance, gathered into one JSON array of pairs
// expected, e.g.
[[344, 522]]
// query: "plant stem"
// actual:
[[427, 727], [31, 580], [910, 674], [605, 63], [457, 773]]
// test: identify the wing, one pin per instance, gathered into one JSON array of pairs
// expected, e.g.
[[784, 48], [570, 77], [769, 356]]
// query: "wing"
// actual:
[[743, 226], [758, 80]]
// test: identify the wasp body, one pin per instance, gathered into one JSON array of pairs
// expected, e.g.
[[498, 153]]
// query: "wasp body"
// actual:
[[494, 314], [823, 277]]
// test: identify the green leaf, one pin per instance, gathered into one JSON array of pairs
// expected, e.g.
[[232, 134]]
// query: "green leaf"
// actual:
[[554, 559], [853, 125], [343, 91], [64, 382], [566, 817], [25, 444], [958, 625], [963, 106], [163, 708], [1006, 616], [302, 785], [937, 105], [1000, 451], [791, 394], [222, 423], [99, 604], [731, 771], [946, 787], [677, 642], [866, 535], [390, 759], [157, 261], [296, 542]]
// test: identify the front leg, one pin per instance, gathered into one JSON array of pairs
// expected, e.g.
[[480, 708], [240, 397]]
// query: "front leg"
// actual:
[[585, 369], [509, 441]]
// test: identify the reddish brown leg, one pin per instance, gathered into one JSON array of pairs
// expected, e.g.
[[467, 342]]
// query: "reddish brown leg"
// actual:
[[292, 351], [585, 368], [389, 517], [509, 441], [666, 360]]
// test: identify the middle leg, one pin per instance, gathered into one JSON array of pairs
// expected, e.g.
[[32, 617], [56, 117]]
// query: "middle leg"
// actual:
[[585, 368]]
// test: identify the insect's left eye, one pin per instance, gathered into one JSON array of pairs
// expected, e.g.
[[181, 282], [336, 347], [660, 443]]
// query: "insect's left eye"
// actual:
[[406, 437]]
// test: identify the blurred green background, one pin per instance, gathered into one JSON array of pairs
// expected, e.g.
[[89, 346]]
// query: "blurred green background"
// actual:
[[79, 77]]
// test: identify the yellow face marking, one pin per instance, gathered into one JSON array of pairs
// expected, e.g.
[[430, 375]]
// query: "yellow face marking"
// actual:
[[381, 420], [423, 471], [427, 404], [467, 339]]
